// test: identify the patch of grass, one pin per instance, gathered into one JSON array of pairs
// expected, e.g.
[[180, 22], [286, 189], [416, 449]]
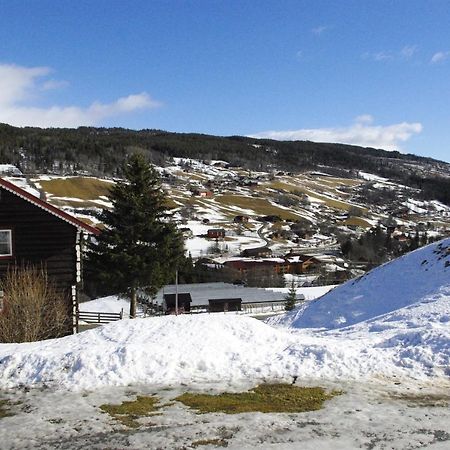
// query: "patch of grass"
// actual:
[[416, 400], [84, 188], [336, 182], [259, 206], [357, 222], [331, 202], [73, 203], [4, 409], [266, 398], [217, 442], [128, 412]]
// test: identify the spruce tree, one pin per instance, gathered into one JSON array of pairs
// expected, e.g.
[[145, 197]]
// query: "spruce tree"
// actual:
[[290, 298], [139, 247]]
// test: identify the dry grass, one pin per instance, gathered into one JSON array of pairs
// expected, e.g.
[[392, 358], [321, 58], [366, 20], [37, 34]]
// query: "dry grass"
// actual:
[[4, 409], [127, 413], [34, 310], [218, 442], [259, 206], [84, 188], [423, 400], [267, 398], [330, 202], [336, 182], [74, 203], [357, 222]]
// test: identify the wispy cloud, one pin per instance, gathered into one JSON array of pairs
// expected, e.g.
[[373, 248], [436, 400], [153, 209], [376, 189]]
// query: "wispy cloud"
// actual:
[[361, 132], [51, 85], [408, 51], [440, 57], [21, 86], [319, 30], [405, 53]]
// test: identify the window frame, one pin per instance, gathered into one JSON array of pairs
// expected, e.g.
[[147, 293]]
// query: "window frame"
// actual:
[[11, 250]]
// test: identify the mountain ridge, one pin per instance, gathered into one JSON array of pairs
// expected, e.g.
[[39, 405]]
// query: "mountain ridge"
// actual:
[[102, 151]]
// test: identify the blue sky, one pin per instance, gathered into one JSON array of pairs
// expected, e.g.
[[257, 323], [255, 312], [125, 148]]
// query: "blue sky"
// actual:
[[364, 72]]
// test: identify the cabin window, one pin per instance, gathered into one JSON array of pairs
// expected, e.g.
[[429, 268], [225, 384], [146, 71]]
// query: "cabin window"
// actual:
[[5, 243]]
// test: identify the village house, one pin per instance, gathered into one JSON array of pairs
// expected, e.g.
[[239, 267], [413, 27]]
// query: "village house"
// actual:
[[277, 265], [202, 193], [301, 263], [258, 252], [34, 232], [216, 233], [241, 219]]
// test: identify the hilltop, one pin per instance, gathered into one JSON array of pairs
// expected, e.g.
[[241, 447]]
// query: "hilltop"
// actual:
[[101, 152]]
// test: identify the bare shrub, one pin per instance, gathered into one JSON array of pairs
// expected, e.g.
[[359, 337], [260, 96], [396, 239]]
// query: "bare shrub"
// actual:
[[33, 309]]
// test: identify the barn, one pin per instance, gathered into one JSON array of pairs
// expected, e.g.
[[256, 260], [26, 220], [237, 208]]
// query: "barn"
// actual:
[[177, 303], [34, 232]]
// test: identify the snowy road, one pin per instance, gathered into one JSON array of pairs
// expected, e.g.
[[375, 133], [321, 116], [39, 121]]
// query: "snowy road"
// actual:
[[368, 416]]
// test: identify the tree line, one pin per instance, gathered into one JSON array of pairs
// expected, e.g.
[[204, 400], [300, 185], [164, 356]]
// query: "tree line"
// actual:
[[103, 151]]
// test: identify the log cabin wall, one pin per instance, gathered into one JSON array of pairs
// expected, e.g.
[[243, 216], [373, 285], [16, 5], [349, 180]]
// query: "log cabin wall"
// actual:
[[39, 237]]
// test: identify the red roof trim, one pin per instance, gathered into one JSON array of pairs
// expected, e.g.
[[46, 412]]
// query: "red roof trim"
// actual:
[[48, 207]]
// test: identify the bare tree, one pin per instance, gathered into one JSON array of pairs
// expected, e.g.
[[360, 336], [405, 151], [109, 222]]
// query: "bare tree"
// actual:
[[33, 309]]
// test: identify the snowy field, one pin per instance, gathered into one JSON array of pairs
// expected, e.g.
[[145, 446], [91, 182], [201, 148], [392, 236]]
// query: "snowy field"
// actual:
[[384, 340]]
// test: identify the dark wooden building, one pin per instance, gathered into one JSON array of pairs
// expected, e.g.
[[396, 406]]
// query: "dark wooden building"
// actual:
[[34, 232], [184, 303], [216, 233], [224, 304]]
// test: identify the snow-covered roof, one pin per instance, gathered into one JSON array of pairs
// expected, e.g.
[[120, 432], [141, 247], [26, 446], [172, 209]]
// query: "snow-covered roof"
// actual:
[[201, 293]]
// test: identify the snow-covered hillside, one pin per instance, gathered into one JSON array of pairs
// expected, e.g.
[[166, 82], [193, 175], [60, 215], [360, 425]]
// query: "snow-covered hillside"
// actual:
[[419, 276]]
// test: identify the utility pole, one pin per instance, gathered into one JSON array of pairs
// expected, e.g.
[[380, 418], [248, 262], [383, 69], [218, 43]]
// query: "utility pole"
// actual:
[[176, 292]]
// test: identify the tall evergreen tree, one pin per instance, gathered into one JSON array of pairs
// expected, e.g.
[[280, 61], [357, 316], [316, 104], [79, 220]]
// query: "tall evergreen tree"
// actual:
[[139, 247]]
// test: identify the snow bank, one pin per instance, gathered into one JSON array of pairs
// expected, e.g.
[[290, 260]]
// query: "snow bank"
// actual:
[[412, 344], [400, 283], [392, 323], [110, 304], [161, 350]]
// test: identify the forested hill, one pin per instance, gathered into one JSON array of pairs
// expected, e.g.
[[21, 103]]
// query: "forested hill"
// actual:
[[101, 151]]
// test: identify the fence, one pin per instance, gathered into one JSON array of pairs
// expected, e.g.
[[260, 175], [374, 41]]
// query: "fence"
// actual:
[[99, 317]]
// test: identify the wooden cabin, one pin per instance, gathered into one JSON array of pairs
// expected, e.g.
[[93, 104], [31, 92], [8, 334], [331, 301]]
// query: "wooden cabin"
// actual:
[[34, 232], [224, 304], [184, 303], [259, 252]]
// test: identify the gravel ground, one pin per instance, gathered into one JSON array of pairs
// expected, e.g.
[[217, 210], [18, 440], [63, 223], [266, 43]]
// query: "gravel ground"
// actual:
[[379, 415]]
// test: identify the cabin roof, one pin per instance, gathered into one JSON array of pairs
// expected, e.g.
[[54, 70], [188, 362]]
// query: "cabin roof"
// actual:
[[16, 190]]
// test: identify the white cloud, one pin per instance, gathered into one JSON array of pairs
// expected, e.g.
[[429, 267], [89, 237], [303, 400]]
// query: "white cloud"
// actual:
[[377, 56], [319, 30], [408, 51], [440, 57], [362, 132], [20, 86]]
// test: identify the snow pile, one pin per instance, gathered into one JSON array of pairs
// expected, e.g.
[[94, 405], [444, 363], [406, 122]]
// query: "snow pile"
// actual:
[[161, 350], [393, 323], [397, 284]]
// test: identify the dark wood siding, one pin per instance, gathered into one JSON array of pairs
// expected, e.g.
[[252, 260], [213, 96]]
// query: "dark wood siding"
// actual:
[[39, 237]]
